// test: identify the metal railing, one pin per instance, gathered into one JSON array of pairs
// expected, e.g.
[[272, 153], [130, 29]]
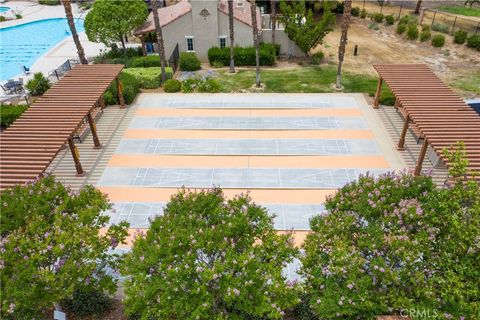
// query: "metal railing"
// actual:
[[64, 68], [174, 59]]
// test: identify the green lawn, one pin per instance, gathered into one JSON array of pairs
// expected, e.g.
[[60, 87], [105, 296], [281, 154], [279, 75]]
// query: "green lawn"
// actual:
[[461, 10], [304, 79]]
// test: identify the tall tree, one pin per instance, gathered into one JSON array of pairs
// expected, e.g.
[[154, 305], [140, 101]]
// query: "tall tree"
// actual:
[[110, 20], [273, 18], [301, 26], [161, 45], [256, 44], [230, 24], [417, 8], [73, 30], [347, 8]]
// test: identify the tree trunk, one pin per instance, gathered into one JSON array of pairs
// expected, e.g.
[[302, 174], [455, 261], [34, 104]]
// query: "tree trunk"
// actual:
[[417, 8], [231, 23], [161, 45], [73, 30], [343, 39], [273, 19], [122, 41], [253, 9]]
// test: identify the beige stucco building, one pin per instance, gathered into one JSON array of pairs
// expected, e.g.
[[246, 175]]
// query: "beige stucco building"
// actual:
[[198, 25]]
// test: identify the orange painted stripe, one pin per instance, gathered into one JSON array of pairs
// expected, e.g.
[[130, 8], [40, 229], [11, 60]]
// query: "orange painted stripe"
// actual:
[[193, 161], [248, 112], [284, 196], [245, 134]]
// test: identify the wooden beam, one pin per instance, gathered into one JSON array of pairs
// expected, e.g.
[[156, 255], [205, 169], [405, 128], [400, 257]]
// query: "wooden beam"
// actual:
[[401, 142], [76, 157], [121, 100], [421, 157], [93, 129], [377, 93]]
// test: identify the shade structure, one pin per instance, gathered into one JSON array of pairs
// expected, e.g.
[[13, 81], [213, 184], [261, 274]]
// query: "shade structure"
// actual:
[[433, 110], [31, 143]]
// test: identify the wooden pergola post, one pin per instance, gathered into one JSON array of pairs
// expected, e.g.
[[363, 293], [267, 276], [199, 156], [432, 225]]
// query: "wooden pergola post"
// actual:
[[377, 93], [144, 48], [121, 100], [421, 157], [401, 142], [76, 157], [93, 129], [101, 102]]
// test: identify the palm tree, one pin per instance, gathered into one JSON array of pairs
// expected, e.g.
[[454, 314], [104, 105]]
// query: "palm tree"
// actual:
[[273, 19], [343, 39], [73, 30], [253, 10], [161, 45], [417, 8], [230, 22]]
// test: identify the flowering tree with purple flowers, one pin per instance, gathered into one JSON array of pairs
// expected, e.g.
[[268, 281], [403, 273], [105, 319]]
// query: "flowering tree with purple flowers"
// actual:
[[51, 245], [209, 258], [396, 242]]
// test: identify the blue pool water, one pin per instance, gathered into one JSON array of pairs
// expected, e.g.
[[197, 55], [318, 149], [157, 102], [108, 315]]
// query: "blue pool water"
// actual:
[[4, 9], [23, 44]]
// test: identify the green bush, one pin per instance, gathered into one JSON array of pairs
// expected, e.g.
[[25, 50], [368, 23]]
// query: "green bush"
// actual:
[[440, 27], [317, 58], [144, 62], [355, 11], [130, 85], [217, 64], [474, 41], [211, 257], [87, 302], [401, 28], [10, 113], [438, 40], [389, 20], [148, 78], [395, 242], [2, 18], [425, 35], [49, 2], [363, 14], [460, 36], [425, 27], [408, 19], [172, 85], [189, 61], [377, 17], [244, 56], [209, 85], [38, 85], [18, 16], [412, 32]]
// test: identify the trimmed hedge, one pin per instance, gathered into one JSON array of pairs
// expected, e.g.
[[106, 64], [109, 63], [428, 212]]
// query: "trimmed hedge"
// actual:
[[189, 61], [131, 88], [10, 113], [244, 56], [438, 40], [144, 62], [49, 2], [172, 85], [474, 42], [148, 78]]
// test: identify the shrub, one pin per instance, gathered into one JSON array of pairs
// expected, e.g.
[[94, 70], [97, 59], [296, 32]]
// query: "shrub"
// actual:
[[474, 42], [377, 17], [88, 302], [389, 20], [244, 56], [2, 18], [172, 85], [189, 61], [425, 27], [130, 89], [217, 64], [18, 16], [460, 36], [49, 2], [373, 26], [355, 11], [438, 40], [440, 27], [209, 85], [395, 242], [401, 28], [8, 114], [408, 19], [317, 57], [363, 14], [425, 35], [412, 32], [208, 257], [148, 78], [51, 244], [38, 85]]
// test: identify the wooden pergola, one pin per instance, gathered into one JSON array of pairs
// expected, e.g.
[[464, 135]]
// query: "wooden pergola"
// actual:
[[31, 143], [432, 110]]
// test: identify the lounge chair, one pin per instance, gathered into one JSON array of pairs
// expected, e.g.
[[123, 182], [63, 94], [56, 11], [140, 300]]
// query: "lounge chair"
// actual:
[[26, 70]]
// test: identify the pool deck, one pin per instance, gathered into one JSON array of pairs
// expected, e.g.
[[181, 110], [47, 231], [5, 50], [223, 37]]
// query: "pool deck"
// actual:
[[64, 50]]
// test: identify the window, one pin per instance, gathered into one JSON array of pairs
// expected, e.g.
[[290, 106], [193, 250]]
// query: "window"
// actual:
[[190, 44], [240, 3], [222, 41]]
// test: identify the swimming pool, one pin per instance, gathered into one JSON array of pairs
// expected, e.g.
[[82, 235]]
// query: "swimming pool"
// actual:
[[4, 9], [23, 44]]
